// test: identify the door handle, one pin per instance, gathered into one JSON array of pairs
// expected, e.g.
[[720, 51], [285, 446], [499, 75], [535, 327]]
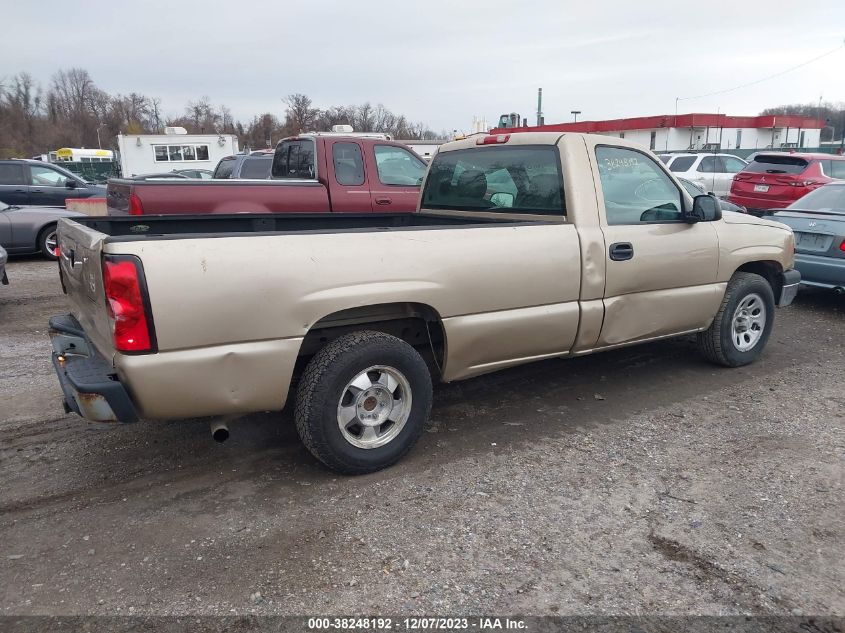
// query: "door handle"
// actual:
[[621, 251], [383, 200], [37, 191], [20, 190]]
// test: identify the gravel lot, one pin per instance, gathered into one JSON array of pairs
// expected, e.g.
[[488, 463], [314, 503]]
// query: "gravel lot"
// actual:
[[638, 481]]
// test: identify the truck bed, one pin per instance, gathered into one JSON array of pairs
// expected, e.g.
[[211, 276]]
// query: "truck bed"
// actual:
[[130, 228]]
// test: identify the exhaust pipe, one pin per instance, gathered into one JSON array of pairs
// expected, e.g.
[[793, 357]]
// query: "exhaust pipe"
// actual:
[[220, 431]]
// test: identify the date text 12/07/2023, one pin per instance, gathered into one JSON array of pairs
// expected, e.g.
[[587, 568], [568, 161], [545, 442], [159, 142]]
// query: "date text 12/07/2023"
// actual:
[[416, 624]]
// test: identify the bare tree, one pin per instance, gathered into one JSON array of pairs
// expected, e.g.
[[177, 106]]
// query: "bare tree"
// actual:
[[300, 116], [73, 112]]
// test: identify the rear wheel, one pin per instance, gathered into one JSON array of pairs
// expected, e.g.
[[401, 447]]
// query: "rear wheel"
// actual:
[[742, 326], [48, 241], [363, 402]]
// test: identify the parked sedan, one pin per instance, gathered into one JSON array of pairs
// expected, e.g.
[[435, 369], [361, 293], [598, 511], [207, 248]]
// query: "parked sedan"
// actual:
[[818, 221], [3, 257], [28, 229]]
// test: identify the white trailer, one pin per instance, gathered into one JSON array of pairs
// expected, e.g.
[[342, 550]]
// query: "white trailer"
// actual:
[[176, 149]]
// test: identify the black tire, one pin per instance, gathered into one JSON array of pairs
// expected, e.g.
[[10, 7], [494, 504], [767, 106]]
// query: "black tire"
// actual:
[[716, 343], [324, 383], [46, 232]]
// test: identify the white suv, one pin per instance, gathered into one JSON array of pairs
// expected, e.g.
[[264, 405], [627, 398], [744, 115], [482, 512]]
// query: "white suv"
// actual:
[[714, 172]]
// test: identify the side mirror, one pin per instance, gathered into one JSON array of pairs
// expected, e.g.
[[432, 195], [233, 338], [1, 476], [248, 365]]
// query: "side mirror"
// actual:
[[70, 183], [502, 199], [705, 208]]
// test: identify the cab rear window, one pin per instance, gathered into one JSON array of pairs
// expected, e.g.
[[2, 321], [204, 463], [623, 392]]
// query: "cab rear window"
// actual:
[[523, 179]]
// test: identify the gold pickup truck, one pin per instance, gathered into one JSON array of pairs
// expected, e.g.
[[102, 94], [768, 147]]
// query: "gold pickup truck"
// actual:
[[526, 246]]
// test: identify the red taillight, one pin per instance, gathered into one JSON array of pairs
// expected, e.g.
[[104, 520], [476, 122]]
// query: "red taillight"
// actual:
[[493, 139], [135, 206], [125, 288], [842, 246], [58, 251]]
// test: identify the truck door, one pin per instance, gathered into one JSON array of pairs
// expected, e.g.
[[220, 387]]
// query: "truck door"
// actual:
[[395, 177], [349, 189], [660, 271]]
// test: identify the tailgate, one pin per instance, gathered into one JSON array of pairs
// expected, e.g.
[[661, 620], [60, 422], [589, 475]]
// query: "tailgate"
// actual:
[[117, 197], [80, 263]]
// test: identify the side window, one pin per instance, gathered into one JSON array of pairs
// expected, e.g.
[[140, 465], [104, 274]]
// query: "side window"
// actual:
[[11, 174], [160, 153], [681, 163], [348, 164], [294, 159], [825, 167], [256, 168], [397, 166], [635, 189], [202, 152], [46, 177], [225, 168], [837, 169], [709, 165], [733, 165]]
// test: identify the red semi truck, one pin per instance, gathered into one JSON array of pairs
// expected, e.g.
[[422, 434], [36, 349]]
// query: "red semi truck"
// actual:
[[311, 173]]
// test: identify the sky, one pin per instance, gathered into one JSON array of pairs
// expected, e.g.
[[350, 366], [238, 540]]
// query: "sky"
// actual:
[[440, 62]]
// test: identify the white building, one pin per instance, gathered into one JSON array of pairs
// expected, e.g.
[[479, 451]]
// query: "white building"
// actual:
[[176, 149], [703, 131]]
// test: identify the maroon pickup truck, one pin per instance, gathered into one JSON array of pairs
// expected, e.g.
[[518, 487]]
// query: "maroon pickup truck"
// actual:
[[311, 173]]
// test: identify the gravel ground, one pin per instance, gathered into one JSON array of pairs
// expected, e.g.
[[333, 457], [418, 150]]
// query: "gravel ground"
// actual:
[[640, 481]]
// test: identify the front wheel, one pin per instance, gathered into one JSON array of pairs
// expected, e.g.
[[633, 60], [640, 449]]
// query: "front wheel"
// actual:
[[48, 241], [742, 325], [363, 402]]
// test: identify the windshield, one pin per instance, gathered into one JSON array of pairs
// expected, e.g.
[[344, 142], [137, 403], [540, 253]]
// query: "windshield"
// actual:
[[830, 199], [513, 179]]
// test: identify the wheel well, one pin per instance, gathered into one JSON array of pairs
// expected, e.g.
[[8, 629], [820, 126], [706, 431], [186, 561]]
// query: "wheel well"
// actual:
[[417, 324], [768, 270], [41, 232]]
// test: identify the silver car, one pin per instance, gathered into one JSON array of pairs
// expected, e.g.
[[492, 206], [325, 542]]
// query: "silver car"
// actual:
[[3, 257], [29, 229]]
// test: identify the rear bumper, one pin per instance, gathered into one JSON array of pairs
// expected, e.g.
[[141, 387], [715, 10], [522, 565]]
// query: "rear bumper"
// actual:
[[90, 385], [753, 203], [821, 271], [790, 280]]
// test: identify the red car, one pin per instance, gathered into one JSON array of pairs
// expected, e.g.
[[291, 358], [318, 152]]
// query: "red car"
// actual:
[[776, 180]]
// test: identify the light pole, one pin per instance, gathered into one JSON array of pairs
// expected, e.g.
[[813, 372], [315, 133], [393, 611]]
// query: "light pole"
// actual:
[[99, 145], [575, 114]]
